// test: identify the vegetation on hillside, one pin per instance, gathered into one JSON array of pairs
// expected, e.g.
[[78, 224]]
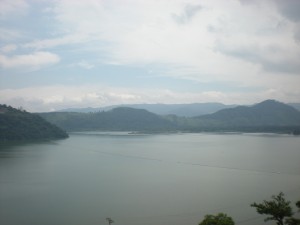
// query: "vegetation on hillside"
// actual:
[[219, 219], [181, 110], [118, 119], [17, 124], [268, 116], [267, 113], [277, 209]]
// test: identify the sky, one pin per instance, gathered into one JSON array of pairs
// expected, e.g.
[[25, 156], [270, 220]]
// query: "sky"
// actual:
[[57, 54]]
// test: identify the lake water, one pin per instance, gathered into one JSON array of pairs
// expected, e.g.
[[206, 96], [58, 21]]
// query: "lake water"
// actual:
[[145, 179]]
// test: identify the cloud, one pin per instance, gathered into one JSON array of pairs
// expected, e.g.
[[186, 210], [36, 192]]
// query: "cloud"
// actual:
[[274, 58], [254, 45], [34, 61], [15, 7], [84, 64], [8, 48], [297, 34], [58, 97], [289, 8], [144, 33], [136, 32], [9, 34], [188, 13], [68, 39]]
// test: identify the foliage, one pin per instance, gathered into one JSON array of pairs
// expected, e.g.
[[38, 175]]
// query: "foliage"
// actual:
[[219, 219], [118, 119], [268, 116], [109, 220], [16, 125], [292, 221], [298, 205], [267, 113], [278, 208]]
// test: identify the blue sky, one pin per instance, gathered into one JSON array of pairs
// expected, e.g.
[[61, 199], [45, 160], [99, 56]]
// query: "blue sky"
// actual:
[[93, 53]]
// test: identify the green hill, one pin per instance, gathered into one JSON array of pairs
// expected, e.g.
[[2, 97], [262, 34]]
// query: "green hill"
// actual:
[[184, 110], [267, 113], [118, 119], [16, 125], [266, 116]]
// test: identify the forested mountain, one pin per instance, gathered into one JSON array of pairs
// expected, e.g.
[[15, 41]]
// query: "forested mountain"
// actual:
[[295, 105], [118, 119], [18, 125], [267, 113], [267, 116], [185, 110]]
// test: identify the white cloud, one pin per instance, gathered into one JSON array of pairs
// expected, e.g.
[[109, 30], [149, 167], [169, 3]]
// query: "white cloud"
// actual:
[[15, 7], [34, 61], [9, 34], [217, 41], [60, 97], [83, 64], [289, 8], [54, 42], [251, 45], [86, 65], [8, 48], [146, 32]]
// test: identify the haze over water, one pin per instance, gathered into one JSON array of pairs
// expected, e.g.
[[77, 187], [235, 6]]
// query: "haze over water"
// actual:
[[145, 179]]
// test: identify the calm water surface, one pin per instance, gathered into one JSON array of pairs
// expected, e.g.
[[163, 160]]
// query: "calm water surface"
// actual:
[[145, 179]]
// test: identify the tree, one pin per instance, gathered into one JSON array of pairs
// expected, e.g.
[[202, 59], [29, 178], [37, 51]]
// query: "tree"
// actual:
[[109, 220], [298, 205], [278, 209], [219, 219], [294, 221]]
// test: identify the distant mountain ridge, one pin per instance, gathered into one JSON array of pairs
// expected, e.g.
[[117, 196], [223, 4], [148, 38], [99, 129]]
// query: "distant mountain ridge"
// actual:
[[182, 110], [186, 110], [117, 119], [295, 105], [266, 113], [19, 125], [267, 116]]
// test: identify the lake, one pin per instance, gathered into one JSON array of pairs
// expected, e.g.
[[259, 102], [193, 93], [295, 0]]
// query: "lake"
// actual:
[[145, 179]]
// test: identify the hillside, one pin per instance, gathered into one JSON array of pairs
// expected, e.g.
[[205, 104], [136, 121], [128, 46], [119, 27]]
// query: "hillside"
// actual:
[[118, 119], [16, 125], [295, 105], [269, 115], [185, 110]]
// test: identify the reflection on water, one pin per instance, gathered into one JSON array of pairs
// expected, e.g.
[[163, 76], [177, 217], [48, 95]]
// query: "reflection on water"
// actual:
[[145, 179]]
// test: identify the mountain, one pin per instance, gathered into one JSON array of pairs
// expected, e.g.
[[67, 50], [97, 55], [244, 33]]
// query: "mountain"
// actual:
[[265, 116], [85, 110], [295, 105], [186, 110], [16, 125], [117, 119]]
